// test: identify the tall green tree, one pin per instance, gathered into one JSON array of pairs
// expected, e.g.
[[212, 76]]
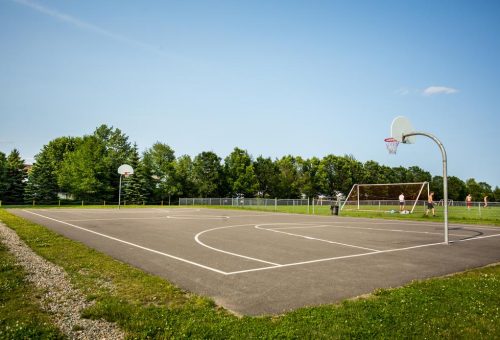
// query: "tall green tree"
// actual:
[[374, 173], [184, 177], [473, 188], [308, 176], [496, 195], [267, 173], [134, 186], [159, 164], [288, 180], [436, 185], [16, 179], [83, 173], [240, 173], [456, 188], [116, 151], [207, 174], [42, 183], [336, 174], [417, 174], [3, 174]]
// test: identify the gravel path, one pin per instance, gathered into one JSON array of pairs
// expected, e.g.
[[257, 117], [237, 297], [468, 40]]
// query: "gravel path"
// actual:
[[60, 298]]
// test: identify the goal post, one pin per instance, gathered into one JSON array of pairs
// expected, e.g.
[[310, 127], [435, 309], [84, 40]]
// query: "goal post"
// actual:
[[385, 197]]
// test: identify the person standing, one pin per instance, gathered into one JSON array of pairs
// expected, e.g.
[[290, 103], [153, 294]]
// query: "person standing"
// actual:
[[485, 201], [468, 201], [401, 202], [430, 204]]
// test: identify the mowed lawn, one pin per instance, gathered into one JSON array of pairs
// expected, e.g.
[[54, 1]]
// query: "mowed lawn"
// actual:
[[457, 214], [463, 306]]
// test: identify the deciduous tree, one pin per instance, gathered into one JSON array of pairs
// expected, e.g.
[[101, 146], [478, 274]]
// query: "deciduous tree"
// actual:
[[207, 174]]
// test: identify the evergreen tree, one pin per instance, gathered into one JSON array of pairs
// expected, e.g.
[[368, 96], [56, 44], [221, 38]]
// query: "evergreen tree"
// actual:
[[134, 186], [3, 175], [16, 179], [42, 184]]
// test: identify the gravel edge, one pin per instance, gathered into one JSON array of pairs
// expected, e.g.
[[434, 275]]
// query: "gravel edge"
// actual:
[[60, 298]]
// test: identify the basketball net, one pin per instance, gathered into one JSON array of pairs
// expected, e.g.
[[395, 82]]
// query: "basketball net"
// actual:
[[392, 145]]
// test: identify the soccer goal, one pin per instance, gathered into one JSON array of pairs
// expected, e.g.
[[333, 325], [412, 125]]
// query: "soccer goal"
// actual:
[[386, 197]]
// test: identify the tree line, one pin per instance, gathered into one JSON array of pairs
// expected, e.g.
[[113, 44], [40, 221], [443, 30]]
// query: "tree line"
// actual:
[[85, 168]]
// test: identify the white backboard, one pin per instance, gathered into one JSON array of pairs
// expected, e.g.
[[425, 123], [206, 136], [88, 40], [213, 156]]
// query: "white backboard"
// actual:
[[401, 126], [125, 169]]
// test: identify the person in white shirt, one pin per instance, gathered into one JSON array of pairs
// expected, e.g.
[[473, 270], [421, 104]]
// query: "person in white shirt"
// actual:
[[401, 202]]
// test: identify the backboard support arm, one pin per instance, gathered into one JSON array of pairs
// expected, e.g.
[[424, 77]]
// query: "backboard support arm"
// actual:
[[445, 175]]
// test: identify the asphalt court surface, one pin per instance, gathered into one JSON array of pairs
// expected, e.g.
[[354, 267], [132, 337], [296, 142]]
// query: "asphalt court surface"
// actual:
[[256, 263]]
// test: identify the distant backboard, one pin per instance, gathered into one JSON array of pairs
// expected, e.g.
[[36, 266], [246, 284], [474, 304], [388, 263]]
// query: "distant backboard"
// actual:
[[401, 126], [125, 169]]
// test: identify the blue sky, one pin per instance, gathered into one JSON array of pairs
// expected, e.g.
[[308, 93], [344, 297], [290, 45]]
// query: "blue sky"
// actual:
[[306, 78]]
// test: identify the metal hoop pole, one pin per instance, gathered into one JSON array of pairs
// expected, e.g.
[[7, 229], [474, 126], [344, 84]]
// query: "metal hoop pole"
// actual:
[[445, 176], [120, 192]]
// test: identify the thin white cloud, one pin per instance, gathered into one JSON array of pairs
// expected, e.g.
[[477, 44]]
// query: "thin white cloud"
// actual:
[[433, 90], [85, 25], [402, 91]]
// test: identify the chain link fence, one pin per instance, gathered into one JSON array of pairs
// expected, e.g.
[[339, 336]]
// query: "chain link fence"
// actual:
[[317, 206]]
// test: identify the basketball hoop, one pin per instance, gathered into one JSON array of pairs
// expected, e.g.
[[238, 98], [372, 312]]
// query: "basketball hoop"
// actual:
[[126, 174], [392, 145]]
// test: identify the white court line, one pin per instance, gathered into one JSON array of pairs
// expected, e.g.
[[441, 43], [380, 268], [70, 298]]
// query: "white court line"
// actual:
[[118, 218], [132, 244], [273, 265], [365, 228], [309, 237], [197, 239], [116, 210], [197, 217], [355, 255]]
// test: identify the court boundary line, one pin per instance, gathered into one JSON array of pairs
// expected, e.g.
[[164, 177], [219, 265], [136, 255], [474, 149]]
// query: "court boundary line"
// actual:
[[274, 265], [133, 244]]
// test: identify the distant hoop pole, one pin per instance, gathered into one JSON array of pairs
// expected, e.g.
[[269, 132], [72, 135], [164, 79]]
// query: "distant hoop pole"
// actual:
[[124, 170], [120, 192], [445, 176]]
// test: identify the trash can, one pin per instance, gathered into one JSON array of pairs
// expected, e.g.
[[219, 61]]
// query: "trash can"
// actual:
[[336, 210]]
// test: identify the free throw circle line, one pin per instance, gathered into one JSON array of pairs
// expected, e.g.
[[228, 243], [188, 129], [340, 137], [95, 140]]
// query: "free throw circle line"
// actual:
[[197, 239]]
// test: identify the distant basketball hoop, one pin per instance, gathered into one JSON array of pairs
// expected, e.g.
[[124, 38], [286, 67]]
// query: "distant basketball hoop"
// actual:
[[392, 145], [124, 170]]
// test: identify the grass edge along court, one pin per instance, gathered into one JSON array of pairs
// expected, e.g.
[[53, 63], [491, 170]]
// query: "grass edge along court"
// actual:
[[145, 306]]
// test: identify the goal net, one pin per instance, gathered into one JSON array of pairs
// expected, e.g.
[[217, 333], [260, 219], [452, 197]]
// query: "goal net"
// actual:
[[385, 197]]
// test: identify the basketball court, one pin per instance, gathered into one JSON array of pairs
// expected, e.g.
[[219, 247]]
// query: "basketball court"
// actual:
[[256, 263]]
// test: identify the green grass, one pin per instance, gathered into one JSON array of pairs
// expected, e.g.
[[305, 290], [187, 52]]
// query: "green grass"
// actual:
[[489, 216], [145, 306], [20, 314]]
